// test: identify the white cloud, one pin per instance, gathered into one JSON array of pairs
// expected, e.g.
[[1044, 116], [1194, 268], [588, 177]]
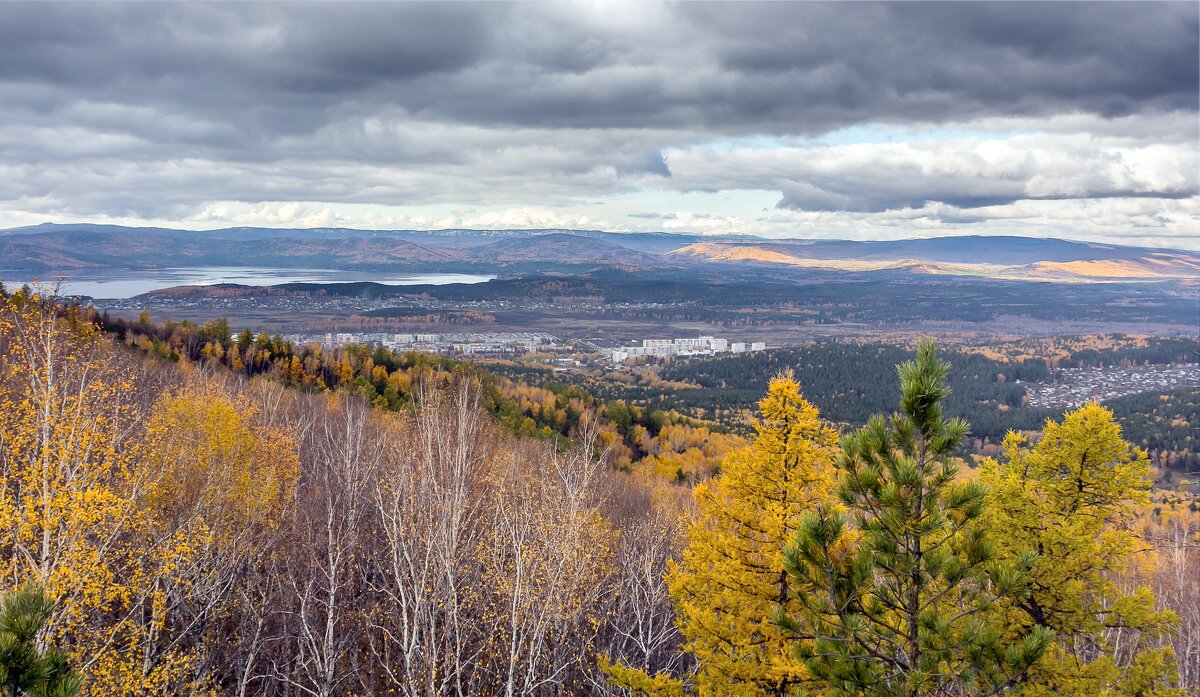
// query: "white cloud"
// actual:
[[1081, 177], [527, 217], [965, 171], [315, 214]]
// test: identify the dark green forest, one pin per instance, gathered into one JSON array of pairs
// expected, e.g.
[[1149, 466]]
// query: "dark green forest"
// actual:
[[850, 381], [1166, 424]]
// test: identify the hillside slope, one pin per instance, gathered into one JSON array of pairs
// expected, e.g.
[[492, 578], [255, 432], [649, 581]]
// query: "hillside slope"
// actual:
[[998, 257]]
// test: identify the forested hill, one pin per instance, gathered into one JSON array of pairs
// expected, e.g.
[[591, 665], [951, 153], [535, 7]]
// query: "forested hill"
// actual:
[[191, 511], [634, 438], [847, 381], [178, 522]]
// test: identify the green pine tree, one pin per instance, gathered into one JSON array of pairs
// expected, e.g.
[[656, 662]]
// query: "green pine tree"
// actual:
[[896, 577], [25, 669]]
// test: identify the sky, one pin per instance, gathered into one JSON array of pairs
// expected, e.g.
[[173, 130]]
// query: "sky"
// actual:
[[842, 120]]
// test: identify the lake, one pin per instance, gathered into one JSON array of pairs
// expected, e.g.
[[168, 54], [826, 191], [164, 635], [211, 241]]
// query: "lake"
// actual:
[[130, 283]]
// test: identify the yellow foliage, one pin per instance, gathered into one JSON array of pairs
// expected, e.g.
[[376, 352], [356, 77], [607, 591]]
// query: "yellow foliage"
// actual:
[[214, 463], [731, 576], [637, 682], [1074, 498], [134, 525], [691, 450]]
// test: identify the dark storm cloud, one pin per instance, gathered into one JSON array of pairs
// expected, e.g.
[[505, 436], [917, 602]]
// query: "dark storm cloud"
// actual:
[[951, 61], [268, 69], [773, 67], [238, 101]]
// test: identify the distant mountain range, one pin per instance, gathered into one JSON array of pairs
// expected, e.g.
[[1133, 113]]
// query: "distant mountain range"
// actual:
[[76, 248], [998, 257]]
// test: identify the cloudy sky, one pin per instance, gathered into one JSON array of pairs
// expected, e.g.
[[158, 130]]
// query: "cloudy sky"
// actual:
[[851, 120]]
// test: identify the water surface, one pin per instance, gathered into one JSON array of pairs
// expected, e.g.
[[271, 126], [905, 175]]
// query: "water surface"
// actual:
[[126, 284]]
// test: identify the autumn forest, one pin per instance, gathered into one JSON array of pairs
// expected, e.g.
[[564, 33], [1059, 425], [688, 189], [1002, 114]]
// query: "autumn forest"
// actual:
[[190, 511]]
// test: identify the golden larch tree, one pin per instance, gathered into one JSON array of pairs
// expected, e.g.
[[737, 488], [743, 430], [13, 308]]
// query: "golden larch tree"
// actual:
[[1073, 498], [731, 576]]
